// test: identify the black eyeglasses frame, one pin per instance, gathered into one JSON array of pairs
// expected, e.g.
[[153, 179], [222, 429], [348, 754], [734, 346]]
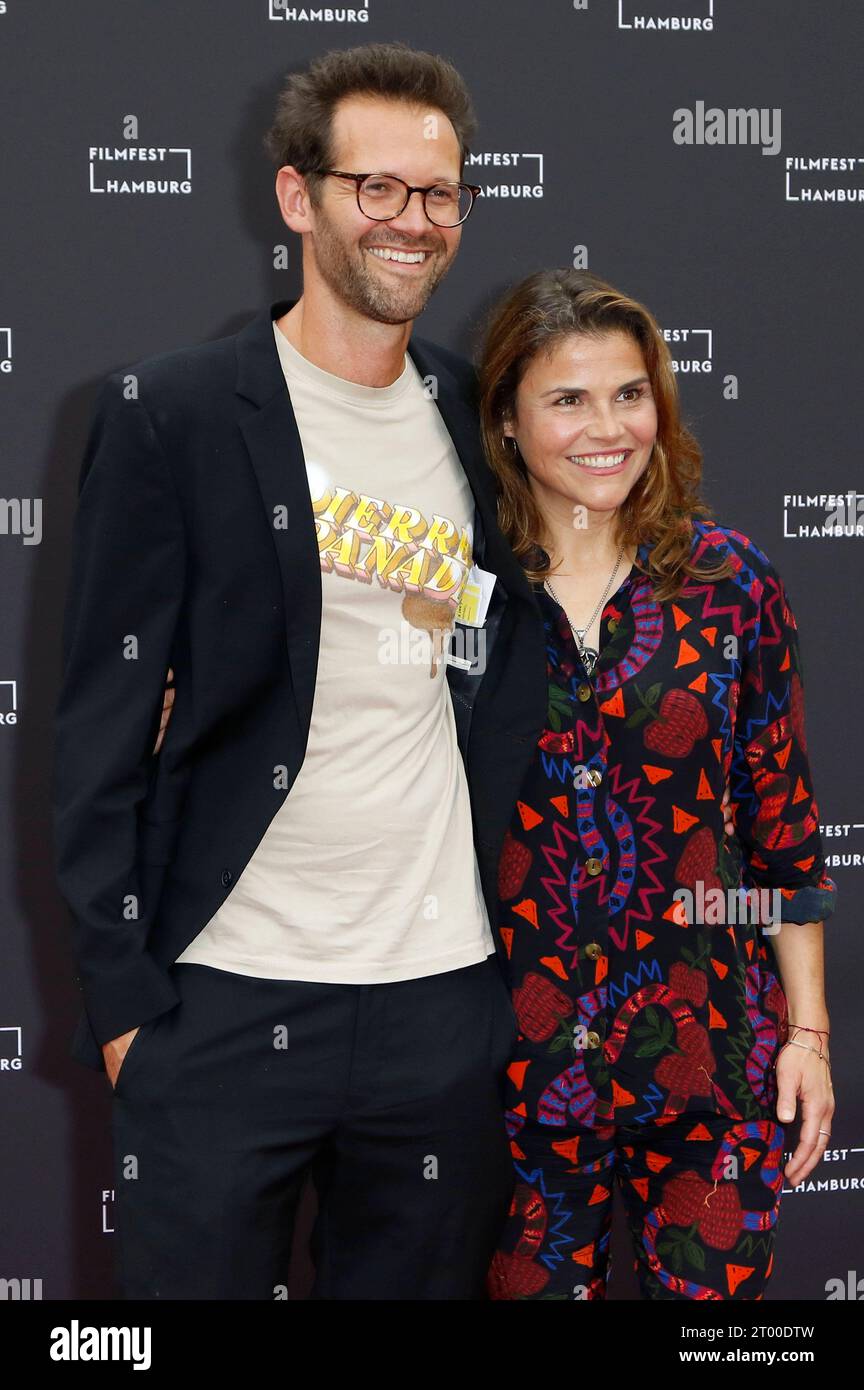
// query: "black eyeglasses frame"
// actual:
[[475, 189]]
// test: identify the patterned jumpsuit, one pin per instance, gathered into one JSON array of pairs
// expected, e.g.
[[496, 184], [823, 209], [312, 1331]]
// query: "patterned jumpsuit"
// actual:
[[649, 1023]]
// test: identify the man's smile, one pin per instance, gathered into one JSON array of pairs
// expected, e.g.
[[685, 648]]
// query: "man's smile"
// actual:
[[396, 256]]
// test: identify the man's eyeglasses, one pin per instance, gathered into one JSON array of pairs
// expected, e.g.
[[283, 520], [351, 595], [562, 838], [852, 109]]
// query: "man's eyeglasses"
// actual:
[[382, 196]]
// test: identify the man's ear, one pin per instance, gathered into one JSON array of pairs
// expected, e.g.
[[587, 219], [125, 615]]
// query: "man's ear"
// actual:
[[292, 195]]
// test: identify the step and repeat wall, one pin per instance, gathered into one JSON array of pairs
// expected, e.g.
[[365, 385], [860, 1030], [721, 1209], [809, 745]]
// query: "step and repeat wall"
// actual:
[[707, 156]]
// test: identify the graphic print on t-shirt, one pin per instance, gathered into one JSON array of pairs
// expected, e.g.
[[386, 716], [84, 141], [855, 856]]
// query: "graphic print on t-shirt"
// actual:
[[426, 559]]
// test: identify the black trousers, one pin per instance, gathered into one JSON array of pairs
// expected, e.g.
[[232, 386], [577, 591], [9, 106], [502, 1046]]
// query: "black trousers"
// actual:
[[390, 1094]]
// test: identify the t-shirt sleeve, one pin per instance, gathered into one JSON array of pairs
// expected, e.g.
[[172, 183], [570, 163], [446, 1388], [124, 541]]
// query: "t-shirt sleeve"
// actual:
[[775, 809]]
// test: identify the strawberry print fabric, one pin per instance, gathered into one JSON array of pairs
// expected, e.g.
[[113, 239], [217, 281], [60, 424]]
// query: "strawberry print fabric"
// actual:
[[648, 1026]]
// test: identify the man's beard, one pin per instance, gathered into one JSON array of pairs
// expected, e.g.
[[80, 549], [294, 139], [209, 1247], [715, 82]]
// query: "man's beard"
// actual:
[[360, 288]]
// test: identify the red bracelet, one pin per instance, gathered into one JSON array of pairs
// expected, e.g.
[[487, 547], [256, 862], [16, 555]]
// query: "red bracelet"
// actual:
[[820, 1032]]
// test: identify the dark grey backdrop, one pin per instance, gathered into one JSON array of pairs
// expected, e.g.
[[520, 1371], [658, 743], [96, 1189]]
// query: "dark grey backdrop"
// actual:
[[716, 238]]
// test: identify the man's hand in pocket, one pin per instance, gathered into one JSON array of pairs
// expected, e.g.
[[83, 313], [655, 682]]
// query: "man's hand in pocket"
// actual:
[[167, 702], [114, 1052]]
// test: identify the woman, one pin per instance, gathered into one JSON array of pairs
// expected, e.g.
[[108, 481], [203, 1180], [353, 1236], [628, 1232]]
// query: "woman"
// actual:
[[657, 1045]]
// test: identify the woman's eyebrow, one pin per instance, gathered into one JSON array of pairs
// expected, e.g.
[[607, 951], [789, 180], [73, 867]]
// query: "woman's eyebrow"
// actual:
[[580, 390]]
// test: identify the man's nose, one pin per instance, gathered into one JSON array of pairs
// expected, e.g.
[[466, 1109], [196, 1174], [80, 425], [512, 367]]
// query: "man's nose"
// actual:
[[412, 219]]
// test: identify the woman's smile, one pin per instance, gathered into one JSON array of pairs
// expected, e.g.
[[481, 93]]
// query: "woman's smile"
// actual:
[[602, 463]]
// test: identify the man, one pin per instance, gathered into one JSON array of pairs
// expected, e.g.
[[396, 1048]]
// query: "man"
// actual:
[[281, 925]]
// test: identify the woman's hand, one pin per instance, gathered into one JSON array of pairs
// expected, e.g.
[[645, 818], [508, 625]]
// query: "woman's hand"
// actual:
[[801, 1074], [167, 702], [728, 818]]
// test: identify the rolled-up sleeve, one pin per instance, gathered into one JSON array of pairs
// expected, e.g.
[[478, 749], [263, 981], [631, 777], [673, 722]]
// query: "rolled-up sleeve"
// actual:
[[775, 809]]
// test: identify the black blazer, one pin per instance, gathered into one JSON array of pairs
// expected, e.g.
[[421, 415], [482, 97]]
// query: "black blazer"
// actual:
[[177, 562]]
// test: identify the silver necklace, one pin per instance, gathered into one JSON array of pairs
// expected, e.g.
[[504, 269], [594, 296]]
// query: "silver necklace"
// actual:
[[588, 654]]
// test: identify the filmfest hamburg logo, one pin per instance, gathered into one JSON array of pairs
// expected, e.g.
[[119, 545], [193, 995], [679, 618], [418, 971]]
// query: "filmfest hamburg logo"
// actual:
[[107, 1211], [509, 173], [133, 168], [319, 14], [667, 16], [8, 702], [5, 350], [839, 1171], [823, 515], [10, 1049], [692, 349], [844, 855], [827, 178]]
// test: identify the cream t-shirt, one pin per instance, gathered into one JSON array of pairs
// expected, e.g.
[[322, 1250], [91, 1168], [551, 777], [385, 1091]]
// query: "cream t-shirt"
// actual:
[[368, 872]]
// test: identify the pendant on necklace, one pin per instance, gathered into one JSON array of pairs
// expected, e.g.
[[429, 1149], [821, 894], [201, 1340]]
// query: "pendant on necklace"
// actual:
[[588, 654]]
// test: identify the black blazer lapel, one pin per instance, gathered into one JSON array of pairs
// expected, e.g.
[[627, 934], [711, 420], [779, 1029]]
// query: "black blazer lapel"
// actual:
[[520, 680], [276, 451]]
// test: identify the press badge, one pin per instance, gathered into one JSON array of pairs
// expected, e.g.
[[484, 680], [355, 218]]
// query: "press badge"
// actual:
[[471, 613], [476, 593]]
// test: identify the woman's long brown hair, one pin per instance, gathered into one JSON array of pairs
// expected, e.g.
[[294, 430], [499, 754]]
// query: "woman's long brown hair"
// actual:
[[541, 311]]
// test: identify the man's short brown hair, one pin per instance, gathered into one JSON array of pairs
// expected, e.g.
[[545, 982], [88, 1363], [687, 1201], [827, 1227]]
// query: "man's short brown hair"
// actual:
[[301, 133]]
